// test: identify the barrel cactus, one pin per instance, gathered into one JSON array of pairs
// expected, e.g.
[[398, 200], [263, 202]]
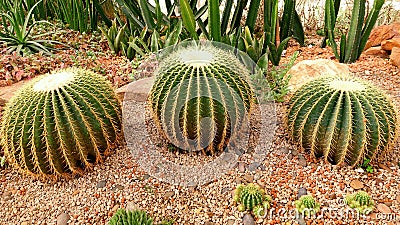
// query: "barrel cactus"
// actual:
[[345, 120], [200, 98], [307, 205], [360, 201], [61, 124], [136, 217], [252, 197]]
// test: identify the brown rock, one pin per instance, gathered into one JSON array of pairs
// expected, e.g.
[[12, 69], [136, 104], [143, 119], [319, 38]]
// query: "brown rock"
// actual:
[[388, 45], [398, 198], [395, 57], [383, 208], [376, 51], [307, 70], [137, 91], [384, 167], [356, 184], [381, 33]]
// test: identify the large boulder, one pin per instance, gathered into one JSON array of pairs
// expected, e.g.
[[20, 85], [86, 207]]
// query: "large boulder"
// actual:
[[381, 33], [395, 56], [388, 45], [377, 51], [307, 70]]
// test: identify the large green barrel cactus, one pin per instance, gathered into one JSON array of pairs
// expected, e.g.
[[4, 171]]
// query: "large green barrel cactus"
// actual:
[[343, 120], [61, 124], [201, 96]]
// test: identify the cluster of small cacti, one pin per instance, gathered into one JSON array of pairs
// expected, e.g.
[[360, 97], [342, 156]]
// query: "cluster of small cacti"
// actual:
[[136, 217], [61, 124], [253, 198], [307, 205], [196, 82], [360, 201], [345, 120]]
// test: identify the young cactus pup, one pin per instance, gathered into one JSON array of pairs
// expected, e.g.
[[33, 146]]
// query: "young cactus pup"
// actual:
[[61, 124], [307, 205], [344, 120], [136, 217], [201, 98], [360, 201], [253, 198]]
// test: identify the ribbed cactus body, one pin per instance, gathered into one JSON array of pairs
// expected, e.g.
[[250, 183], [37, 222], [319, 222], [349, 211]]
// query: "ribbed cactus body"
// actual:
[[200, 98], [136, 217], [307, 205], [61, 124], [360, 201], [343, 120], [251, 197]]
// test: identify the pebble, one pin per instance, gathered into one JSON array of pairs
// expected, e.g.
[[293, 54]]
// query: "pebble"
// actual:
[[302, 191], [115, 208], [383, 208], [241, 167], [295, 152], [384, 167], [398, 198], [301, 221], [169, 194], [248, 220], [284, 150], [209, 223], [7, 195], [302, 161], [356, 184], [231, 222], [62, 219], [253, 167], [24, 223], [101, 184], [248, 178]]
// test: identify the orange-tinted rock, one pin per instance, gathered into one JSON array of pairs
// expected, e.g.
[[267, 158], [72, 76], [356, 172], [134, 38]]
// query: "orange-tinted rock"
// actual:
[[377, 51], [388, 45], [381, 33], [395, 57]]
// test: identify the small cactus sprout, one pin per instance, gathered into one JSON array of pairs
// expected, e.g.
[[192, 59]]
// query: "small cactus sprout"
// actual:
[[136, 217], [253, 198], [307, 205], [201, 98], [61, 124], [344, 120], [360, 201]]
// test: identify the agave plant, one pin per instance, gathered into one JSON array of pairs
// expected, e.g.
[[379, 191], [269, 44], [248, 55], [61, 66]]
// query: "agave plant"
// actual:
[[16, 35]]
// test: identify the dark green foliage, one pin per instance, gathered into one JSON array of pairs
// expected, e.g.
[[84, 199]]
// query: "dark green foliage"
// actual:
[[136, 217], [291, 25], [344, 120], [61, 124], [189, 89], [352, 44]]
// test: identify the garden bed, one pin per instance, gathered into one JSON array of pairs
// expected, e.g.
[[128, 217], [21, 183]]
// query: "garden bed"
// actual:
[[120, 182]]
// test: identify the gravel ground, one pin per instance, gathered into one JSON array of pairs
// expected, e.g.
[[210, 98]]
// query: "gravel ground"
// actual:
[[120, 182]]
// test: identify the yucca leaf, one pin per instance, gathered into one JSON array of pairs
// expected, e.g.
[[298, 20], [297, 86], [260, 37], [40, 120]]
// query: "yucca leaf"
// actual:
[[214, 20], [188, 18], [147, 15]]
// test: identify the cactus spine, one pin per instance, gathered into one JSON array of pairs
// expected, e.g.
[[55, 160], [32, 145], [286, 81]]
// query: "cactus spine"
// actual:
[[197, 82], [343, 120], [307, 205], [252, 197], [136, 217], [360, 201], [61, 124]]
